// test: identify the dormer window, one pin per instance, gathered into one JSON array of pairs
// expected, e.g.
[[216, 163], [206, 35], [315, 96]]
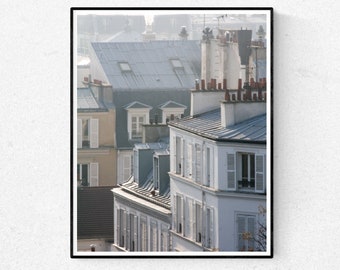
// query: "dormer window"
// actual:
[[124, 67], [138, 115], [171, 110], [176, 63]]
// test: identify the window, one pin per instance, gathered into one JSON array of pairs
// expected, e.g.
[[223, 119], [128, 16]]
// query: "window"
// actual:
[[198, 166], [121, 228], [156, 172], [83, 174], [153, 236], [138, 114], [188, 164], [198, 223], [87, 133], [132, 233], [245, 232], [178, 154], [165, 237], [171, 110], [176, 63], [124, 66], [87, 174], [143, 234], [209, 228], [248, 169], [178, 214], [127, 167], [136, 126], [208, 178], [247, 180]]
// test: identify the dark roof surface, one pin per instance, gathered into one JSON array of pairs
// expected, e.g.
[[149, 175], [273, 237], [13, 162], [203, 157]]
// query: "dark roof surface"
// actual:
[[87, 101], [209, 125], [150, 63], [95, 212]]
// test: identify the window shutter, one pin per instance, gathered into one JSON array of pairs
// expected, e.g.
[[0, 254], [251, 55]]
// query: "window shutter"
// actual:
[[174, 213], [211, 228], [194, 221], [173, 149], [182, 157], [93, 174], [241, 228], [79, 133], [189, 218], [135, 233], [118, 237], [259, 173], [251, 230], [198, 164], [231, 174], [188, 165], [94, 133]]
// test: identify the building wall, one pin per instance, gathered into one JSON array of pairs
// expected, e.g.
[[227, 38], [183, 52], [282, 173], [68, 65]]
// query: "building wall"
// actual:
[[214, 194], [105, 155], [154, 239]]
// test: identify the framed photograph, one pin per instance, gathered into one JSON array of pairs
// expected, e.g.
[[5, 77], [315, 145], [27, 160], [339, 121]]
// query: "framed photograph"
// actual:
[[172, 132]]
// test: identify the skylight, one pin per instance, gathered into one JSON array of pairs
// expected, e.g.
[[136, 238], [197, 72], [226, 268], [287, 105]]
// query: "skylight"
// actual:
[[124, 66], [176, 63]]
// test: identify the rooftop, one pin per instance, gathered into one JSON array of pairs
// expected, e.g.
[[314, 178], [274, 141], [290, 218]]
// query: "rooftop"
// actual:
[[209, 126], [159, 65], [87, 101]]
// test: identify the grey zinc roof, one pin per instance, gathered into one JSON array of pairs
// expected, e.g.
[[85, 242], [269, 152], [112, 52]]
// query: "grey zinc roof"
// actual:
[[87, 101], [150, 64], [209, 125]]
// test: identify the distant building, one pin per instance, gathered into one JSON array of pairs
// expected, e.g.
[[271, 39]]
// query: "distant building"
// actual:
[[96, 156], [142, 205], [145, 82]]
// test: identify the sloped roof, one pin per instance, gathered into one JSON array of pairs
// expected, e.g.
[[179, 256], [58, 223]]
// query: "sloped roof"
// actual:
[[137, 105], [150, 63], [208, 125], [171, 104], [95, 212], [87, 101]]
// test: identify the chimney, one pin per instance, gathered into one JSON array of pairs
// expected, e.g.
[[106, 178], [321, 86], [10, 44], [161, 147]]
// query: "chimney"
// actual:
[[203, 84], [224, 84], [204, 101], [234, 112]]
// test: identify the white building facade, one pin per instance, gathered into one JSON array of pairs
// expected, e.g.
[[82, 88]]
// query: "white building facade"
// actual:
[[218, 176]]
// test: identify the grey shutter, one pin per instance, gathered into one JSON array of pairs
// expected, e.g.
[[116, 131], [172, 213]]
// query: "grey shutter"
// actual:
[[79, 133], [173, 150], [94, 174], [135, 232], [231, 172], [259, 173], [241, 228], [118, 237], [94, 137]]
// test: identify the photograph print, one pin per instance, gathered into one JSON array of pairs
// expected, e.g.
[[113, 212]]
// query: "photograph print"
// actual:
[[171, 132]]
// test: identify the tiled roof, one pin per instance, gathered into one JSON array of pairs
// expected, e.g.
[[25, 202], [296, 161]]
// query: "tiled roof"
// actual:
[[209, 125]]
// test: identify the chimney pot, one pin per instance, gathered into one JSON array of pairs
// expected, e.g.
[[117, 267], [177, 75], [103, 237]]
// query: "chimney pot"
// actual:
[[219, 86], [239, 83], [227, 96], [224, 84], [254, 96], [203, 84], [233, 97]]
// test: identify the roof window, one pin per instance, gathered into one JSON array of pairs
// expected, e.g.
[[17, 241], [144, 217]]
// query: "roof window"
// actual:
[[124, 66], [176, 63]]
